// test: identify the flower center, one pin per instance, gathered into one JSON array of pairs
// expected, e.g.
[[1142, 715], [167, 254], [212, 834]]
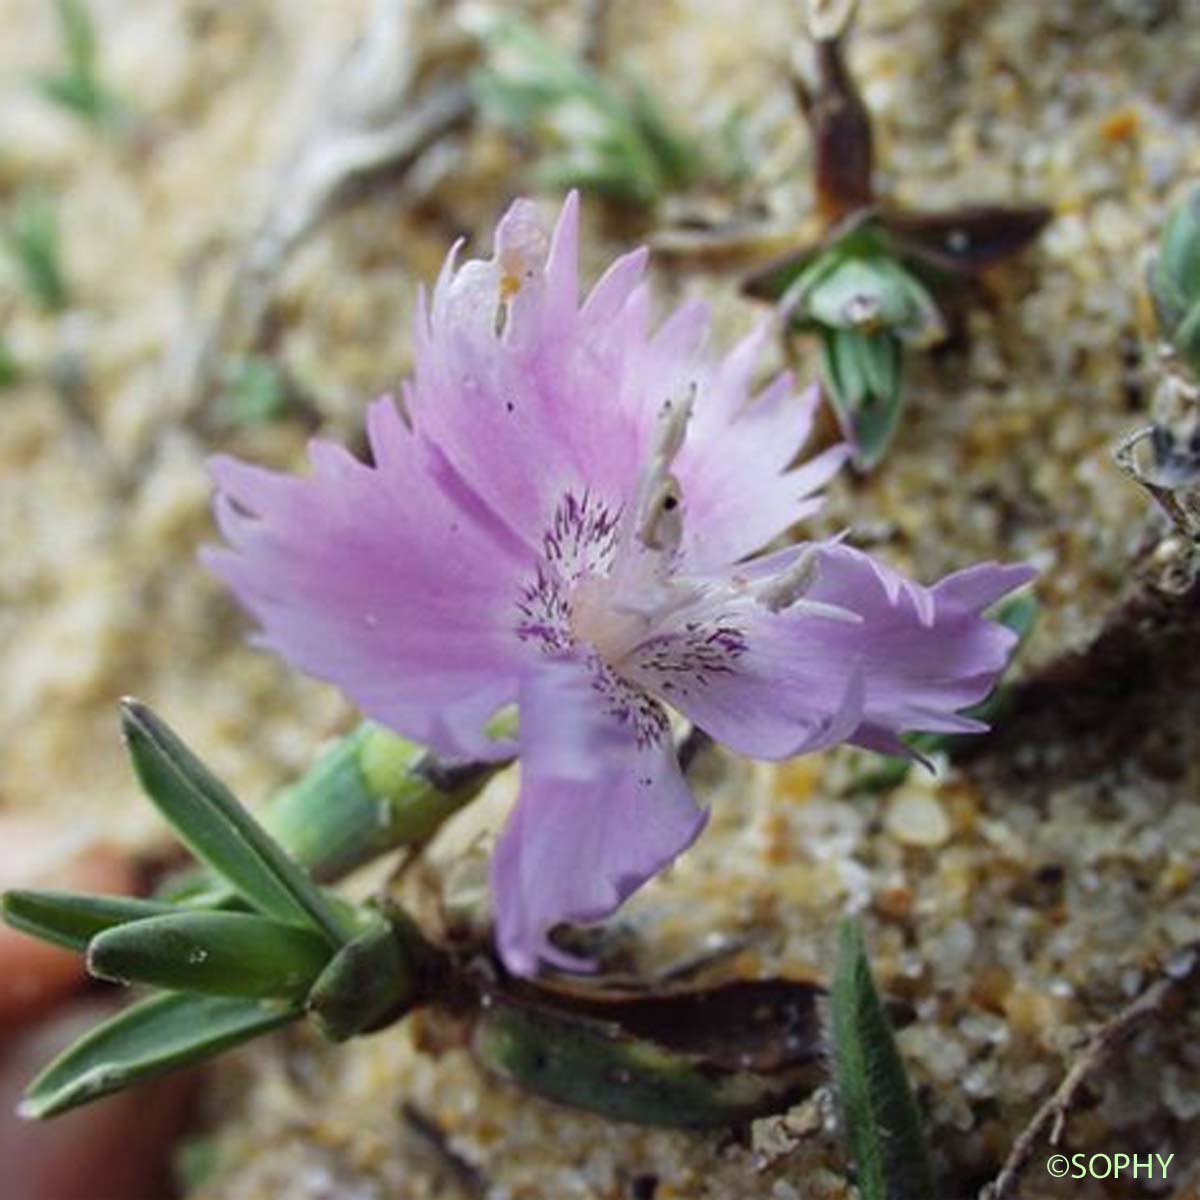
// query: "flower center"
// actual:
[[598, 620]]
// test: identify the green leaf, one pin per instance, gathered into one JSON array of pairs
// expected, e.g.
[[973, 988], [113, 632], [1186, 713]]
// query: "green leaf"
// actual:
[[72, 919], [32, 239], [82, 96], [1018, 613], [863, 378], [880, 358], [78, 33], [1174, 280], [218, 953], [10, 372], [256, 391], [78, 87], [596, 136], [678, 157], [880, 1119], [368, 794], [220, 832], [148, 1039], [781, 275]]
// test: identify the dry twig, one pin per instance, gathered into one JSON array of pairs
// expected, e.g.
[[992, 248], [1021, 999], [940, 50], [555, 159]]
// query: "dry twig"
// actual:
[[1108, 1039], [380, 114]]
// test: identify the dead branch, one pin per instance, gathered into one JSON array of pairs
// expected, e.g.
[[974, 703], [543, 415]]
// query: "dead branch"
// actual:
[[1182, 970]]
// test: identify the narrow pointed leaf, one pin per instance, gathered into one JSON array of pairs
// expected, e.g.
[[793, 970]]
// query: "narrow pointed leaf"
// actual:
[[879, 1114], [863, 379], [218, 953], [72, 919], [220, 832], [880, 359], [709, 1057], [152, 1037], [967, 240], [879, 354], [772, 280]]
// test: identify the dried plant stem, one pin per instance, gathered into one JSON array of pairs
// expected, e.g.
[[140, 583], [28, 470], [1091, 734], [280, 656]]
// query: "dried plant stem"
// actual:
[[464, 1176], [1050, 1119]]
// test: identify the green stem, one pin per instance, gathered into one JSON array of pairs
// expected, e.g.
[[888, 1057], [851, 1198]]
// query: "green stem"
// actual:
[[370, 793]]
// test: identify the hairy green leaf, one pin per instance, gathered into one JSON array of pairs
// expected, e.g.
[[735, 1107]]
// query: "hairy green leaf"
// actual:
[[880, 1119]]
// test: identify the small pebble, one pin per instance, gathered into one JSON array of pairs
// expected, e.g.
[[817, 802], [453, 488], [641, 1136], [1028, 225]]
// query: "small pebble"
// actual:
[[917, 818]]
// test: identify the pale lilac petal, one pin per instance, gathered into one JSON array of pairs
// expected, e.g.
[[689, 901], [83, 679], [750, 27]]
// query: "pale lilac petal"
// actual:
[[614, 288], [499, 390], [740, 489], [927, 652], [749, 681], [562, 262], [598, 815], [537, 527], [397, 584], [914, 658], [578, 391]]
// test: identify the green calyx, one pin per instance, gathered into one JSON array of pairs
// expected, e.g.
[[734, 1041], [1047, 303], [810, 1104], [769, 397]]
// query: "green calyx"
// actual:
[[368, 794], [859, 281], [373, 980], [871, 293]]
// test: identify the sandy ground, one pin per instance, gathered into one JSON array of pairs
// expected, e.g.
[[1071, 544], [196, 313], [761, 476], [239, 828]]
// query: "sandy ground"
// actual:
[[1011, 910]]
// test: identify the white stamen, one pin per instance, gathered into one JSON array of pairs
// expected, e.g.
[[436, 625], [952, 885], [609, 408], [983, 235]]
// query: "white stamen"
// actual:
[[661, 525], [672, 427], [789, 585], [658, 516], [831, 612]]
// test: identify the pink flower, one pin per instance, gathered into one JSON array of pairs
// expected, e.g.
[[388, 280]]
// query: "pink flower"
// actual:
[[566, 514]]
